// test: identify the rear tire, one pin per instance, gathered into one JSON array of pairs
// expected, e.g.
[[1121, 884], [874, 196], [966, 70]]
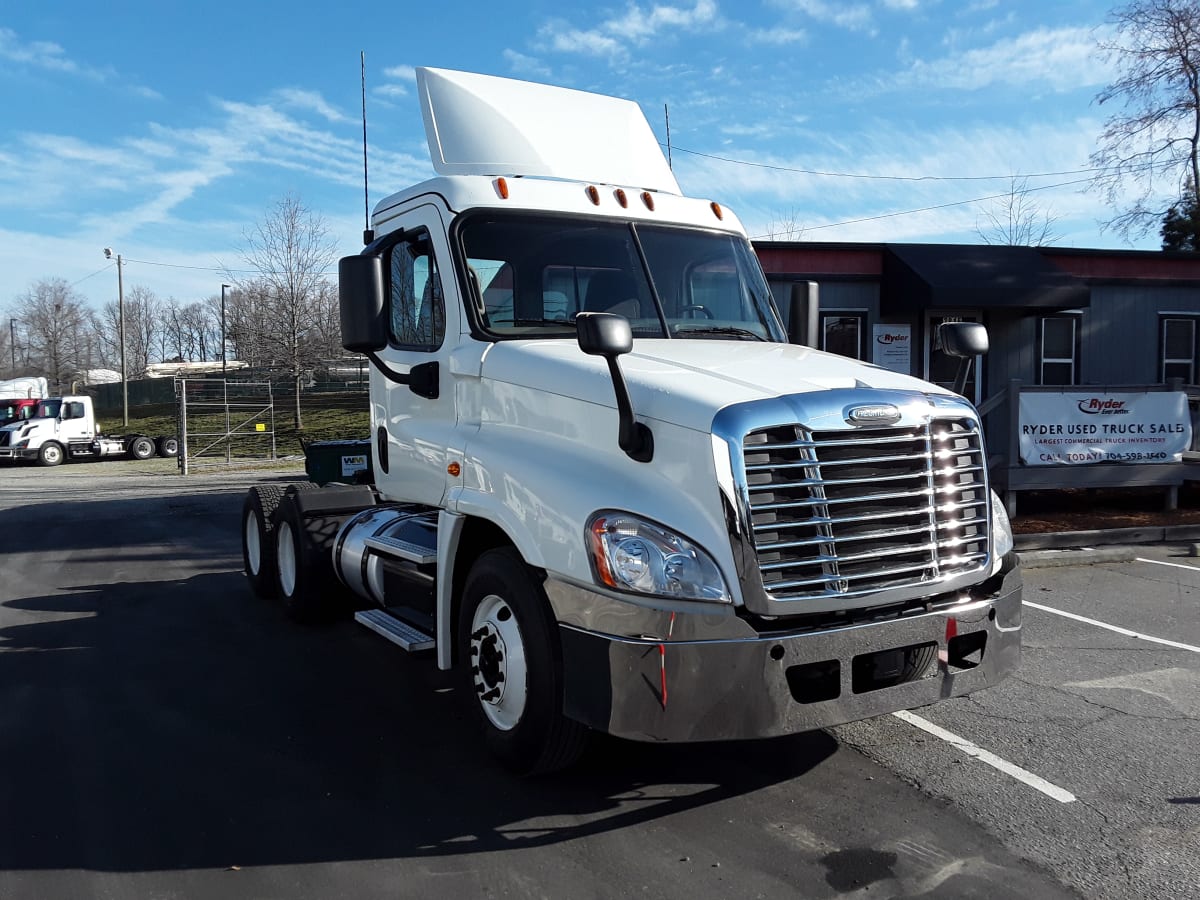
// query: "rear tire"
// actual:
[[141, 447], [304, 576], [167, 447], [258, 537], [511, 664]]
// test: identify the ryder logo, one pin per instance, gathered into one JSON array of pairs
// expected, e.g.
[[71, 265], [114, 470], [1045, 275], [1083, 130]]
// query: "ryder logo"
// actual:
[[1096, 406], [888, 338]]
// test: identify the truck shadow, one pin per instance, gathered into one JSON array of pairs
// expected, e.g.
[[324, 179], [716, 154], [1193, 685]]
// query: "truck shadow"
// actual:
[[184, 723]]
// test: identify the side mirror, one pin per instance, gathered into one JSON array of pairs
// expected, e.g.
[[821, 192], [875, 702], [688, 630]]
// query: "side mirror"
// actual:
[[965, 340], [607, 335], [361, 299], [603, 334]]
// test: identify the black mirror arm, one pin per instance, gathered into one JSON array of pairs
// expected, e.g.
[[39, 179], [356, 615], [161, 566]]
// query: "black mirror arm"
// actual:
[[421, 379], [632, 436], [960, 378]]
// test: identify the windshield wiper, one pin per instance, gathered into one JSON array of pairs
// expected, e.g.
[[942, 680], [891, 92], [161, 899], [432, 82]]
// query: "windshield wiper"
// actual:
[[720, 329]]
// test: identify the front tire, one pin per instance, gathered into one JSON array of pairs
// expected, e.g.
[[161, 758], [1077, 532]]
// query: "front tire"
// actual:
[[51, 454], [512, 667]]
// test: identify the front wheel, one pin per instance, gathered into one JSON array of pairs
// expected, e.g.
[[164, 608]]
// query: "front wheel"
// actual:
[[51, 454], [512, 667]]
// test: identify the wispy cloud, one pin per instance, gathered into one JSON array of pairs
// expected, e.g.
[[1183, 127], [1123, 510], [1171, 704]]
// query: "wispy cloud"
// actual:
[[311, 101], [399, 79], [1059, 59], [854, 16], [613, 37], [526, 65], [777, 36]]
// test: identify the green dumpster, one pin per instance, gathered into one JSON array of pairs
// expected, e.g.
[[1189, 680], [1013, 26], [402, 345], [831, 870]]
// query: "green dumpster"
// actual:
[[342, 462]]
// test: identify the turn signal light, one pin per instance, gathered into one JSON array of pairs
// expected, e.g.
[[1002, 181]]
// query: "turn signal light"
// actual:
[[454, 469]]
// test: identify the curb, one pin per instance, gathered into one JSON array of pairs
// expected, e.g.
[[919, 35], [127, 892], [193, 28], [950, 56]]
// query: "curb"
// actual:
[[1085, 548]]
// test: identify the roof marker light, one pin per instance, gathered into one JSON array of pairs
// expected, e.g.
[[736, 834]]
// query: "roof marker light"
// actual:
[[717, 211], [593, 194], [621, 198], [648, 199], [502, 188]]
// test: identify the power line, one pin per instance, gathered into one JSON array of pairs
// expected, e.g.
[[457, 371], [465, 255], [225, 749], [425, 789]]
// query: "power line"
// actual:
[[93, 275], [909, 212], [870, 177]]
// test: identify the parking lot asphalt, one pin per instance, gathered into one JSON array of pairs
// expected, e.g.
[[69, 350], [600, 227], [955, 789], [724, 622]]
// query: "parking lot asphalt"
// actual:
[[168, 734]]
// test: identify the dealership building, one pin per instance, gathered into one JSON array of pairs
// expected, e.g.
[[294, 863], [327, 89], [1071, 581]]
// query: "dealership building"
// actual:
[[1063, 323]]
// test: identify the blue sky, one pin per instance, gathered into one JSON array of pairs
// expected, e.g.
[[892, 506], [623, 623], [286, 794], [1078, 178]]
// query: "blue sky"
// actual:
[[166, 130]]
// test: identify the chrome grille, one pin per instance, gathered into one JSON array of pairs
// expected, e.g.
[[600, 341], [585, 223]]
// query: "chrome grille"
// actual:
[[4, 438], [848, 513]]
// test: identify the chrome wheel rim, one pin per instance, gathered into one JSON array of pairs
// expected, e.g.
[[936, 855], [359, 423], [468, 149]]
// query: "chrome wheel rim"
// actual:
[[498, 664]]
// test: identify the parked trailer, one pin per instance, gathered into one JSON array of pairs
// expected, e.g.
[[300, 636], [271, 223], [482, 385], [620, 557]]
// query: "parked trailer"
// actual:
[[64, 428], [608, 492]]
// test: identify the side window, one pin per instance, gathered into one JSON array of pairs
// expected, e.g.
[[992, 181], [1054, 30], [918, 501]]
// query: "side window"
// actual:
[[1177, 348], [1058, 350], [842, 333], [417, 309]]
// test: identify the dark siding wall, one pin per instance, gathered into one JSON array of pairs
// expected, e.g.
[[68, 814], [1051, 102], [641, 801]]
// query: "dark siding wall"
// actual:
[[1119, 343]]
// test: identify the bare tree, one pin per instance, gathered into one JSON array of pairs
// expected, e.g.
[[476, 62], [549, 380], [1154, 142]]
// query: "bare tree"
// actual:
[[785, 226], [290, 250], [1151, 145], [51, 316], [143, 319], [1016, 219]]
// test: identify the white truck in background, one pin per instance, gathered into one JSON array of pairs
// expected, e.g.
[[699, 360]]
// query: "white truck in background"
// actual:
[[608, 491], [64, 428]]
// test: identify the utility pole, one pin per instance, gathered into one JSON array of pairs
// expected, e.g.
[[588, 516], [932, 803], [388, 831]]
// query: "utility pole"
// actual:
[[12, 343], [121, 327], [224, 287]]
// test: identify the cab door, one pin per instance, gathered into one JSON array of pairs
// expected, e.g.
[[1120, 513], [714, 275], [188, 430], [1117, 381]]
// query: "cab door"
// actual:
[[414, 424]]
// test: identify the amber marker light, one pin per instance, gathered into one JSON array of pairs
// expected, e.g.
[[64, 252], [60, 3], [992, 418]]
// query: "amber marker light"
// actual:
[[717, 211], [648, 199], [502, 188], [621, 198], [599, 528], [454, 469], [593, 195]]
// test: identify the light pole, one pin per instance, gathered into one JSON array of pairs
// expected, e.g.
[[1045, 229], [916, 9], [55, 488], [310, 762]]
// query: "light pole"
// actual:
[[121, 328], [224, 287], [12, 343]]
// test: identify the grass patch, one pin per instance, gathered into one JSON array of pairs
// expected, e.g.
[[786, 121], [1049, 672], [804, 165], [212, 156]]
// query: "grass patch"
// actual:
[[326, 417]]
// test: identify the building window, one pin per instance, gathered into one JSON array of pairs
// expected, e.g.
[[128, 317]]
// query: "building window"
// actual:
[[1058, 350], [842, 333], [1177, 340]]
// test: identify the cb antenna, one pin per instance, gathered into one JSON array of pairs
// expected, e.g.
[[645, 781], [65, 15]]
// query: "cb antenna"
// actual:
[[368, 232]]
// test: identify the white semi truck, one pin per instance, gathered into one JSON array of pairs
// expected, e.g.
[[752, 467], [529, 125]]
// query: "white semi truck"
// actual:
[[607, 489], [64, 428]]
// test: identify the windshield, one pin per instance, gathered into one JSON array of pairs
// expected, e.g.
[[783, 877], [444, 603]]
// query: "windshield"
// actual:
[[533, 275]]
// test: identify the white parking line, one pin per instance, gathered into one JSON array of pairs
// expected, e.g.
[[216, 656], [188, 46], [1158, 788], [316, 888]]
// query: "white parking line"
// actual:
[[1022, 775], [1116, 628], [1159, 562]]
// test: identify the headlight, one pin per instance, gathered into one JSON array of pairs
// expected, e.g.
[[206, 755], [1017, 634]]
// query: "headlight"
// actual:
[[21, 445], [1002, 533], [633, 554]]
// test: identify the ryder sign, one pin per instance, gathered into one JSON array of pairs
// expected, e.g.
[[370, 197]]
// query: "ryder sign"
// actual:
[[1082, 427]]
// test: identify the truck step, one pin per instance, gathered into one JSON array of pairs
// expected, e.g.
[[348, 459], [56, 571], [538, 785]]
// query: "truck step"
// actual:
[[410, 552], [398, 632]]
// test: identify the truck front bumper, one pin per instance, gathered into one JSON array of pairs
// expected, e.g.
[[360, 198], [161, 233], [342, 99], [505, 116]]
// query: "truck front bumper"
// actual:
[[659, 687], [10, 453]]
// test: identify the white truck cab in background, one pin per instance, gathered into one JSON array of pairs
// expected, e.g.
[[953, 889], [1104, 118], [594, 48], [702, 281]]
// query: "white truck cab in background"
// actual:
[[64, 428], [607, 489]]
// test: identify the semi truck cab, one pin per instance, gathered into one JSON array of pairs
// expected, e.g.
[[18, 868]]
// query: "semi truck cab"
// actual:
[[608, 491]]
